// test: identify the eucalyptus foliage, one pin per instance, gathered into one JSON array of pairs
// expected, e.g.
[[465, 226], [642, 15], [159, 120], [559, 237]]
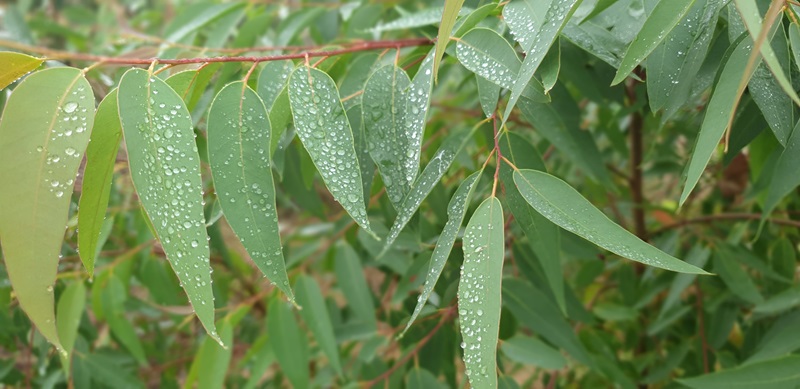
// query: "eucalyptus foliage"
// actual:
[[527, 193]]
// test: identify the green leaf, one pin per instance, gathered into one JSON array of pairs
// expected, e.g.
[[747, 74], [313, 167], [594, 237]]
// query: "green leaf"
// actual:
[[737, 280], [196, 17], [536, 311], [365, 163], [212, 361], [190, 84], [238, 152], [456, 210], [748, 10], [323, 128], [697, 256], [315, 314], [564, 206], [70, 309], [15, 65], [288, 343], [719, 110], [525, 18], [101, 155], [772, 374], [165, 168], [488, 55], [272, 82], [557, 15], [394, 122], [43, 135], [113, 300], [488, 94], [550, 67], [350, 276], [421, 378], [424, 184], [673, 65], [781, 339], [479, 292], [664, 17], [425, 17], [543, 236], [532, 351], [780, 302], [449, 15], [784, 178]]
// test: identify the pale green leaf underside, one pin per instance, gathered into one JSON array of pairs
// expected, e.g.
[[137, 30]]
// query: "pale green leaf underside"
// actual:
[[456, 210], [101, 155], [15, 65], [556, 18], [479, 293], [238, 152], [165, 168], [659, 23], [424, 184], [44, 132], [564, 206], [325, 132], [488, 55], [719, 109]]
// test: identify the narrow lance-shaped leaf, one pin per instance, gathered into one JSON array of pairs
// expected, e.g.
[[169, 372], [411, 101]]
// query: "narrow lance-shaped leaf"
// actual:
[[556, 18], [365, 163], [449, 15], [564, 206], [238, 152], [479, 293], [101, 155], [15, 65], [43, 135], [775, 373], [351, 278], [272, 89], [659, 23], [425, 17], [315, 313], [289, 344], [70, 308], [488, 55], [720, 108], [165, 168], [323, 128], [784, 177], [748, 9], [456, 210], [426, 181], [488, 94]]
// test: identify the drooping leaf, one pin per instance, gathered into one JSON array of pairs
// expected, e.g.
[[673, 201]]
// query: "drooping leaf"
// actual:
[[784, 177], [113, 300], [323, 128], [664, 17], [596, 40], [456, 210], [101, 155], [190, 84], [737, 280], [350, 274], [525, 18], [424, 184], [532, 351], [238, 152], [550, 67], [479, 292], [488, 94], [70, 309], [165, 168], [564, 206], [779, 340], [365, 163], [449, 15], [557, 15], [771, 374], [543, 236], [288, 343], [697, 256], [15, 65], [780, 302], [719, 109], [211, 363], [394, 122], [272, 89], [44, 132], [315, 314], [488, 55]]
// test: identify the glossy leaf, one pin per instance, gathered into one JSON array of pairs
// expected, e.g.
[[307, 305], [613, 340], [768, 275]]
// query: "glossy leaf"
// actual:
[[449, 15], [784, 178], [70, 309], [664, 17], [323, 128], [771, 374], [719, 109], [165, 168], [351, 281], [272, 82], [532, 351], [15, 65], [488, 55], [315, 314], [543, 236], [190, 84], [424, 184], [101, 156], [238, 152], [557, 15], [479, 292], [456, 210], [44, 132], [564, 206], [288, 343], [777, 108], [488, 94]]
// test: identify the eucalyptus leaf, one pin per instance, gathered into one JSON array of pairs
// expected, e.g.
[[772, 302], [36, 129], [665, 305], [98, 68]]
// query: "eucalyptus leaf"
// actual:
[[15, 65]]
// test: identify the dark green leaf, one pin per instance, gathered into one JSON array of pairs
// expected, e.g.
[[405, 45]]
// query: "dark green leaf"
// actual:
[[776, 373], [288, 343], [316, 316]]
